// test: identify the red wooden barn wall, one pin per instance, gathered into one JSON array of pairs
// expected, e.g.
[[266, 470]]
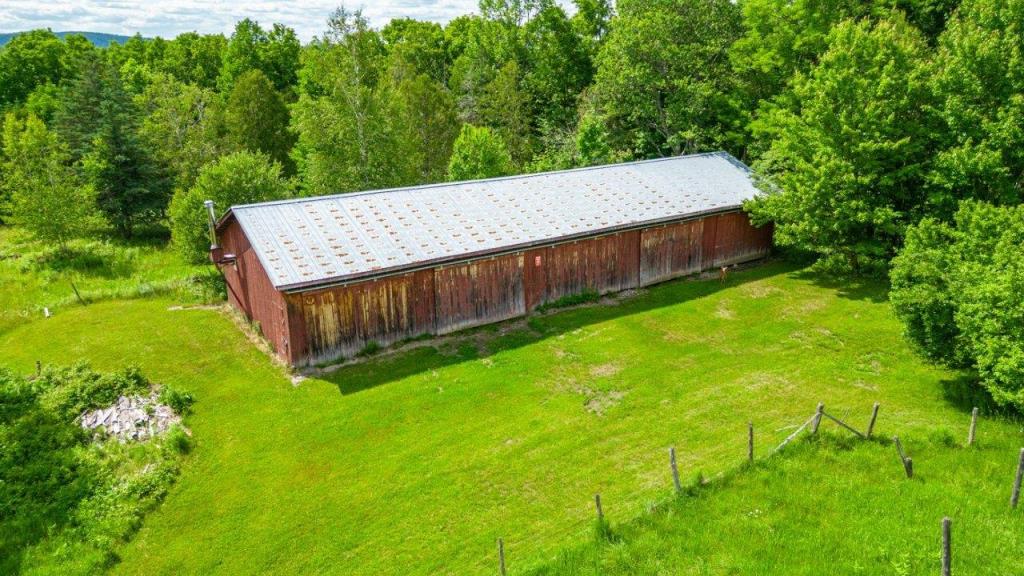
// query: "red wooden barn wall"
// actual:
[[478, 292], [250, 290], [603, 264], [329, 323], [671, 250], [341, 321]]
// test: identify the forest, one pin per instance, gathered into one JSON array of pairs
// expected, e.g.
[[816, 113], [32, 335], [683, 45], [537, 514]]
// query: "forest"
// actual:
[[888, 134]]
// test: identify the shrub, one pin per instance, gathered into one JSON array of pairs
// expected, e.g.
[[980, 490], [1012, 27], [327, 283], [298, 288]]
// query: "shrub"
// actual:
[[180, 402], [178, 440], [584, 297], [65, 501], [959, 290]]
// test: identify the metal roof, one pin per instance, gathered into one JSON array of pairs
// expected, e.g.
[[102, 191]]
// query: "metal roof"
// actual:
[[313, 241]]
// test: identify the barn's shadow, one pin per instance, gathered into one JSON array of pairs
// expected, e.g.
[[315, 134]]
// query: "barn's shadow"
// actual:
[[432, 354]]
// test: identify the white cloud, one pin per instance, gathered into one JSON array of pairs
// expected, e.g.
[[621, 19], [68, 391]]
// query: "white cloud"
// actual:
[[169, 18]]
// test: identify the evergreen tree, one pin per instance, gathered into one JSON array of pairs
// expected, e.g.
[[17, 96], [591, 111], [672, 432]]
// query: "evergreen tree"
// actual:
[[256, 119], [99, 121]]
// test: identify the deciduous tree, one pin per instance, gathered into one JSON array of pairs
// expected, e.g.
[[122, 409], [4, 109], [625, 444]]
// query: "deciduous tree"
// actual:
[[478, 153], [44, 194], [848, 163], [663, 79], [238, 178]]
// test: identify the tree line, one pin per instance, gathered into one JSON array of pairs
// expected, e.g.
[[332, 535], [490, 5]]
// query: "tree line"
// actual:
[[876, 126]]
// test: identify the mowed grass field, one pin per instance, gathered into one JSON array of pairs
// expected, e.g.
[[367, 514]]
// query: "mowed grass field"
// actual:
[[415, 462]]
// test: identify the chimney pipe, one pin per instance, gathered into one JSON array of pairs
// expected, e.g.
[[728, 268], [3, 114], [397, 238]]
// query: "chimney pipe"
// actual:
[[212, 224]]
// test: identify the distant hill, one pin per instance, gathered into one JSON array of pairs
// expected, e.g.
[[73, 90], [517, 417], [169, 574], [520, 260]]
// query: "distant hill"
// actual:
[[98, 38]]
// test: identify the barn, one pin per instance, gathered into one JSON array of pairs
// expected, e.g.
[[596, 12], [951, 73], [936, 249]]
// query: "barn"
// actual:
[[326, 277]]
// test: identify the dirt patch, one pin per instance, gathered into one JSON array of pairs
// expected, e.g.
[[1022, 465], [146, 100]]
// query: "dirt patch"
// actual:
[[605, 370], [724, 312], [758, 290], [759, 381], [601, 401]]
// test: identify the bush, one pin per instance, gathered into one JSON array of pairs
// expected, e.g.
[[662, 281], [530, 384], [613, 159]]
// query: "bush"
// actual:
[[180, 402], [959, 290], [66, 501], [239, 178], [86, 257], [584, 297]]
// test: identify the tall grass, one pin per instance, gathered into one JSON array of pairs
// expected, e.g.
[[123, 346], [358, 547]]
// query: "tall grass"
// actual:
[[35, 277]]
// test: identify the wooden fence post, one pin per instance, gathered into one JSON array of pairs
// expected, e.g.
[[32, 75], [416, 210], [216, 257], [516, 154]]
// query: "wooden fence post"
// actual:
[[908, 464], [947, 552], [597, 503], [874, 416], [1015, 497], [501, 557], [974, 425], [817, 418], [750, 442], [675, 469]]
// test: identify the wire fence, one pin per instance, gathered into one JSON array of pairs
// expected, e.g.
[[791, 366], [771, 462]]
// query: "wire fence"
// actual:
[[541, 540]]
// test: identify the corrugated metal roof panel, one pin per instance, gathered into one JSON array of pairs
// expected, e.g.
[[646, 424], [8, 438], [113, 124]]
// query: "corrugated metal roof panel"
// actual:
[[312, 241]]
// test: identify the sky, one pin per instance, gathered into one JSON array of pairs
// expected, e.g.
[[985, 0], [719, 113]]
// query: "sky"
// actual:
[[168, 18]]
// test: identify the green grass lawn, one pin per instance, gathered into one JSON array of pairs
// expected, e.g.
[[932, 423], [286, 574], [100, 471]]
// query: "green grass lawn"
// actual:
[[415, 462]]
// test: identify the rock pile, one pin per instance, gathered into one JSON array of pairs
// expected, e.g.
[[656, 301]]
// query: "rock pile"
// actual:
[[132, 418]]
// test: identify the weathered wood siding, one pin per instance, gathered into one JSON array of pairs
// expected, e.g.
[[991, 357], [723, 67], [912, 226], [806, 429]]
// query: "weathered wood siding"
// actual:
[[670, 251], [478, 292], [603, 264], [343, 320], [250, 290], [330, 323], [736, 240]]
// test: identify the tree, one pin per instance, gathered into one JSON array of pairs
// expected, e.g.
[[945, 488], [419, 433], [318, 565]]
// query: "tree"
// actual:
[[182, 126], [506, 108], [256, 119], [478, 153], [591, 21], [29, 60], [193, 58], [99, 121], [783, 37], [238, 178], [275, 53], [663, 80], [350, 136], [979, 86], [558, 67], [483, 47], [427, 111], [959, 290], [419, 45], [848, 163], [44, 194]]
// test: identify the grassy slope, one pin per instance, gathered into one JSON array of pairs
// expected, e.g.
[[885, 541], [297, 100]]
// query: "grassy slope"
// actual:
[[414, 463], [830, 506]]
